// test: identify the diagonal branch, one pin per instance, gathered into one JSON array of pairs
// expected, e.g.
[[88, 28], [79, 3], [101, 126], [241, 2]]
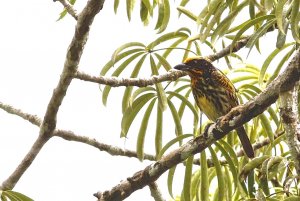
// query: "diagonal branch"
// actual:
[[112, 150], [70, 67], [69, 8], [71, 136], [235, 118], [240, 153]]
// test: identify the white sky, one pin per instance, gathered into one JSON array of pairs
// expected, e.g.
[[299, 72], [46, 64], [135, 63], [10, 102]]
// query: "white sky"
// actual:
[[33, 48]]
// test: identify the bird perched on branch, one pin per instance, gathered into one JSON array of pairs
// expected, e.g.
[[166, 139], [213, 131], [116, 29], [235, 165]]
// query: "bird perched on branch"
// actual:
[[214, 93]]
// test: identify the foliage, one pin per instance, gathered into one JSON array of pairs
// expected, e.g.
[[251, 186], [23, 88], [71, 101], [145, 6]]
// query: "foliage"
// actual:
[[270, 176], [13, 196]]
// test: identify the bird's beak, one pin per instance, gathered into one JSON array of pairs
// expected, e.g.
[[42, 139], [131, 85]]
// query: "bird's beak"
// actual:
[[182, 67]]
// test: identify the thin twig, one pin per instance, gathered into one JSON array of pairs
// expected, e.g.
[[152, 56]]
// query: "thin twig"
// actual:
[[69, 8], [71, 136], [112, 150], [139, 82], [169, 76], [155, 192]]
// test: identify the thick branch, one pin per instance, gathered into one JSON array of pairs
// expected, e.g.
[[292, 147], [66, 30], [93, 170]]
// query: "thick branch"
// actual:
[[235, 118], [289, 114], [70, 67]]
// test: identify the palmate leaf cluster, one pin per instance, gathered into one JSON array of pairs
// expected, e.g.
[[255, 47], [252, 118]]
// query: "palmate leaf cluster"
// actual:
[[219, 23]]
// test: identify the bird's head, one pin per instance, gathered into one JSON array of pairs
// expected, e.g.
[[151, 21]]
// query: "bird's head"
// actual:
[[195, 66]]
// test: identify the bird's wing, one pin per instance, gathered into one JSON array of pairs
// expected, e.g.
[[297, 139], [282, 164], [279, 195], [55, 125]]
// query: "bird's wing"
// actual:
[[221, 80]]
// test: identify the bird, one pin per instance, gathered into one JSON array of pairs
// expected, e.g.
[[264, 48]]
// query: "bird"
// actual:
[[214, 93]]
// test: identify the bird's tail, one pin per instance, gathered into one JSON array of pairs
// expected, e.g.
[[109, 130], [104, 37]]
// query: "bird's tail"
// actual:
[[248, 149]]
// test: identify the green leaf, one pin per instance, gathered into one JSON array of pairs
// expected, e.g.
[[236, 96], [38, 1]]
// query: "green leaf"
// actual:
[[131, 112], [161, 14], [263, 181], [249, 24], [184, 2], [171, 142], [212, 22], [128, 90], [251, 165], [176, 118], [144, 14], [268, 61], [261, 31], [116, 5], [118, 57], [266, 126], [243, 78], [16, 196], [295, 20], [158, 131], [170, 180], [195, 183], [182, 105], [187, 12], [166, 37], [141, 90], [274, 116], [142, 131], [163, 62], [186, 102], [226, 22], [292, 198], [166, 16], [162, 99], [147, 4], [204, 186], [123, 47], [280, 64], [251, 9], [188, 178], [280, 15], [116, 73], [129, 8], [220, 176], [233, 164], [167, 52], [64, 12]]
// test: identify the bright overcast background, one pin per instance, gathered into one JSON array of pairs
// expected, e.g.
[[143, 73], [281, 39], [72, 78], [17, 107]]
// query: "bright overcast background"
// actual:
[[33, 48]]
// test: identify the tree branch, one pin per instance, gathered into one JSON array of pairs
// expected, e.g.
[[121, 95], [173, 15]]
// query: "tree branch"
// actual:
[[69, 8], [155, 192], [73, 56], [112, 150], [289, 115], [240, 153], [139, 82], [235, 118], [169, 76], [71, 136]]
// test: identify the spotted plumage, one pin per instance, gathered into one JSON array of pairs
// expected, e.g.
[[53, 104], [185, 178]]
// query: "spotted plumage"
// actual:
[[214, 93]]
